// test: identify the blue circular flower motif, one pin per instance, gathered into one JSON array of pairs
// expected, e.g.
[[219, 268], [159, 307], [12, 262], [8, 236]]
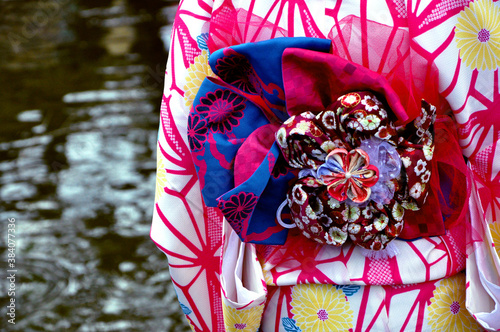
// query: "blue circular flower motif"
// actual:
[[197, 132], [222, 109]]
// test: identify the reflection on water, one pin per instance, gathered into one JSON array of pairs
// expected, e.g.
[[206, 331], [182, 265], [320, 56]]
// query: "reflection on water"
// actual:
[[81, 87]]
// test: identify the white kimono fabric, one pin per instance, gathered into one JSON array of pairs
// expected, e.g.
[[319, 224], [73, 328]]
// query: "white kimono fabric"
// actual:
[[440, 283]]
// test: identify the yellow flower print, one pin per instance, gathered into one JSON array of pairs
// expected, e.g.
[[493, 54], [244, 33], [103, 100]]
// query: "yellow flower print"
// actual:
[[196, 73], [242, 320], [191, 325], [321, 308], [268, 278], [477, 34], [447, 311], [495, 234], [161, 174]]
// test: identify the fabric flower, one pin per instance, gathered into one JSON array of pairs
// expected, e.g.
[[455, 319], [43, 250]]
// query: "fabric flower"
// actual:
[[398, 211], [348, 175], [299, 196], [344, 164], [370, 122], [351, 213], [367, 213], [281, 137], [336, 236], [329, 120], [333, 203], [350, 99], [428, 151], [477, 34], [406, 161], [426, 176], [380, 223]]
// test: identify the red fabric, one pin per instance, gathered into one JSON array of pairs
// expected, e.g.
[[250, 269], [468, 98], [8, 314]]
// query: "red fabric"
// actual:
[[252, 152], [449, 186], [411, 76], [230, 26], [314, 80]]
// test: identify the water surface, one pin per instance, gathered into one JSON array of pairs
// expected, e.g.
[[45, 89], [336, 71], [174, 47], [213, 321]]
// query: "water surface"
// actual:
[[81, 85]]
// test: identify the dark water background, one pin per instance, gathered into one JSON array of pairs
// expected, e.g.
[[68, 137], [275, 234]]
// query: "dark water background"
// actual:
[[80, 92]]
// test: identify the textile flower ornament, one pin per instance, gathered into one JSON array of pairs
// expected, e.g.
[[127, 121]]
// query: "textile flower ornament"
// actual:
[[348, 175], [352, 182], [286, 123]]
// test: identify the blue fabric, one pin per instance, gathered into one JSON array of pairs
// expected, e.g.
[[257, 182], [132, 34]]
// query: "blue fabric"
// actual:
[[224, 113]]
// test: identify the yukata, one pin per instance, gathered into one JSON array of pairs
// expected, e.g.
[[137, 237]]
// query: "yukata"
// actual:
[[332, 165]]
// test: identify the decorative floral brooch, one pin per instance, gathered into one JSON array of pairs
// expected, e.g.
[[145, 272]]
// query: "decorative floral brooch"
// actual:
[[358, 171], [348, 174]]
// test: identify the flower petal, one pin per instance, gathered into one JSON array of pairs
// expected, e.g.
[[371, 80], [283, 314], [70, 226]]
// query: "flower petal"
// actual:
[[368, 176], [358, 194], [338, 190]]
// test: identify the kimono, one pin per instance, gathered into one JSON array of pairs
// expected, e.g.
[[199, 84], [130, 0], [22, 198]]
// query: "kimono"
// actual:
[[332, 165]]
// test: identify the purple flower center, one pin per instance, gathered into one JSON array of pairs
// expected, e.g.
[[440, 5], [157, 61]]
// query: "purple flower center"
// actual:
[[483, 35], [322, 315], [240, 326], [455, 307]]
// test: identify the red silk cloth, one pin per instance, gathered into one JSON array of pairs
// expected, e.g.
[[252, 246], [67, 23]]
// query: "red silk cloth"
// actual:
[[314, 80]]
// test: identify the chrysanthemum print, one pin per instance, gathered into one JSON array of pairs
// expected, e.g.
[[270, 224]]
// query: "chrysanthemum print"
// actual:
[[495, 235], [222, 109], [197, 129], [242, 320], [196, 73], [447, 311], [477, 34], [238, 208], [161, 174], [321, 308]]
